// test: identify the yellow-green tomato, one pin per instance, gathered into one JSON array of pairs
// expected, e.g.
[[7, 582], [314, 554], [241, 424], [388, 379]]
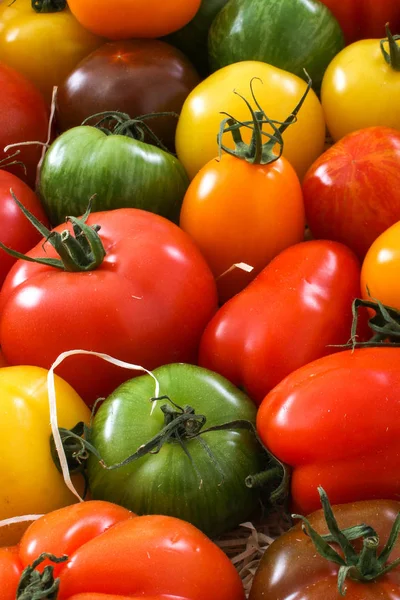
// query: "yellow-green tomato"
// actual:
[[361, 89], [30, 481], [277, 92]]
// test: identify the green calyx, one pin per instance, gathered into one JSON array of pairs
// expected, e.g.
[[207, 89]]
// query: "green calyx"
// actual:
[[36, 585], [81, 251], [48, 6], [393, 56], [365, 566], [258, 151]]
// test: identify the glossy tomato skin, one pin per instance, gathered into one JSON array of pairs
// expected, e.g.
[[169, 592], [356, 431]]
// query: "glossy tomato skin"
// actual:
[[278, 94], [44, 47], [336, 422], [352, 192], [15, 230], [23, 118], [138, 19], [297, 307], [360, 90], [148, 303], [365, 18], [10, 572], [292, 568], [239, 212], [136, 77], [379, 273]]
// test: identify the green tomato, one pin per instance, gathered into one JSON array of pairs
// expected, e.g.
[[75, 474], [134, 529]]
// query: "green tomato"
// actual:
[[289, 34], [199, 479], [119, 171]]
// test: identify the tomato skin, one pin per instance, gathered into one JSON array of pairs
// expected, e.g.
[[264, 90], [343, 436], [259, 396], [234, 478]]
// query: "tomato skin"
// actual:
[[15, 230], [239, 212], [24, 118], [379, 273], [26, 37], [360, 90], [2, 360], [365, 18], [352, 192], [336, 421], [311, 577], [201, 113], [137, 19], [154, 296], [10, 572], [288, 316]]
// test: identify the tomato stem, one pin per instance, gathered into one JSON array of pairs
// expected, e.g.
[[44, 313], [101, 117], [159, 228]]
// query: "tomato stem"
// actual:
[[8, 161], [48, 6], [36, 585], [385, 324], [393, 56]]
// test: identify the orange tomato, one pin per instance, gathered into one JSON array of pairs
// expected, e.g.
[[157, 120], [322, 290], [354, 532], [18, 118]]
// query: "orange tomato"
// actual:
[[241, 212]]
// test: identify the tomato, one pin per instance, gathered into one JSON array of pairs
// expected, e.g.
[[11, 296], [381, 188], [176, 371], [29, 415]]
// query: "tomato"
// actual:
[[291, 314], [200, 119], [15, 230], [336, 421], [361, 89], [2, 360], [294, 35], [120, 172], [137, 77], [23, 118], [31, 484], [293, 568], [365, 18], [44, 47], [380, 268], [146, 301], [352, 191], [112, 554], [133, 19], [204, 485]]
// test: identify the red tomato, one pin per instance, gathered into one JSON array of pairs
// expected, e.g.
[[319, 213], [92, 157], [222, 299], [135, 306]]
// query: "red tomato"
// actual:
[[113, 555], [2, 360], [336, 422], [15, 230], [289, 315], [361, 19], [23, 118], [10, 572], [352, 192], [147, 303]]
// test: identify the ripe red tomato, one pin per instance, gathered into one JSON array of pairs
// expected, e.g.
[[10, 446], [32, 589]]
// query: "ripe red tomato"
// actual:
[[23, 118], [15, 230], [352, 192]]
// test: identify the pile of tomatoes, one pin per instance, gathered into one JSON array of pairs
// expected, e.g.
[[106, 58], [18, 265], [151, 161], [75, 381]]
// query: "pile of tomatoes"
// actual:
[[200, 233]]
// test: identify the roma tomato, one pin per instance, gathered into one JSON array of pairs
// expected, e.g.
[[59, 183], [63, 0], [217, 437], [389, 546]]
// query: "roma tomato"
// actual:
[[133, 19], [136, 77], [200, 119], [336, 422], [23, 118], [44, 47], [140, 291], [352, 192], [114, 555], [365, 18], [361, 87], [294, 567], [380, 269], [31, 483], [15, 230]]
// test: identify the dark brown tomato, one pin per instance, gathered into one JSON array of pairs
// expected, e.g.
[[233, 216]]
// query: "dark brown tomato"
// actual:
[[292, 569], [136, 77]]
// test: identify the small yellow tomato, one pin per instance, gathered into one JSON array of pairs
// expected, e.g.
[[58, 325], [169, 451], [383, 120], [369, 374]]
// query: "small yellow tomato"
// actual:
[[277, 93], [44, 47], [381, 268], [30, 481], [361, 89]]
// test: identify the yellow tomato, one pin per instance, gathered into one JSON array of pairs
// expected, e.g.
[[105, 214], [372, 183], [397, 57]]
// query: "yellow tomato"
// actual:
[[278, 92], [360, 89], [381, 268], [44, 47], [30, 481]]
